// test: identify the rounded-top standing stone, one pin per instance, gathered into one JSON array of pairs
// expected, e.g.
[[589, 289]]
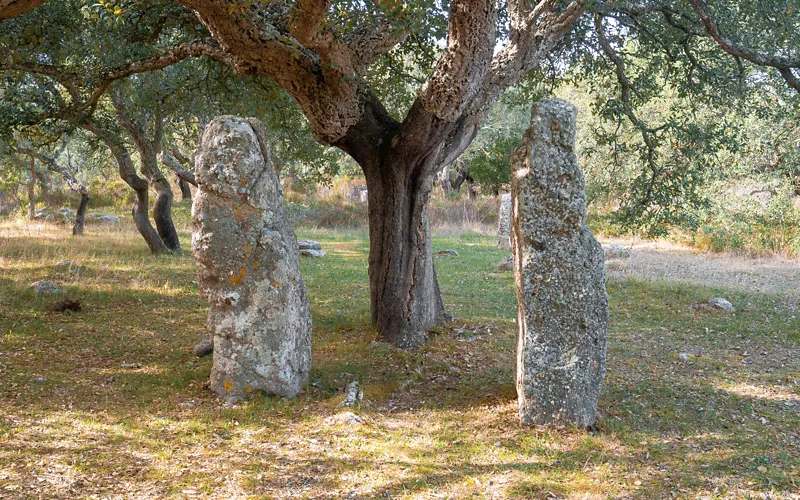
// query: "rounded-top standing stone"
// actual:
[[559, 275], [248, 265]]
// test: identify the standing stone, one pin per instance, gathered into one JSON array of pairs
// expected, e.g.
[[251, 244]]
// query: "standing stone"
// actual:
[[559, 274], [504, 222], [248, 266]]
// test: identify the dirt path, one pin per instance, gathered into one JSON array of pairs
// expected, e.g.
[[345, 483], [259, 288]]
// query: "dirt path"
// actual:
[[672, 262]]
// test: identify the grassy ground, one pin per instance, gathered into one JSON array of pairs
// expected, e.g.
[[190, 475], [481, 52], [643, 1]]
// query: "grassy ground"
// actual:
[[109, 402]]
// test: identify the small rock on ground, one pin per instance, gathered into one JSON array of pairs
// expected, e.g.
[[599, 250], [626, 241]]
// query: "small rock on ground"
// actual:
[[309, 245], [352, 394], [447, 253], [722, 304], [108, 219], [43, 287], [347, 418], [613, 251], [203, 348], [309, 252]]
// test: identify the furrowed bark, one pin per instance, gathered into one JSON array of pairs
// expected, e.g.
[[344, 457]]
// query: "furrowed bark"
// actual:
[[14, 8]]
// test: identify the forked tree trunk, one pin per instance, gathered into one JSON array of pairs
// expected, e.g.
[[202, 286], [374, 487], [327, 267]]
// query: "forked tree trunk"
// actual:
[[404, 292], [148, 153], [399, 167], [140, 186]]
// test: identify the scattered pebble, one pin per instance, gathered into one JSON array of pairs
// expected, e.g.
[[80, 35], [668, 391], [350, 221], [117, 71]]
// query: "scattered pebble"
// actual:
[[447, 253], [352, 394], [203, 348], [39, 380], [721, 304]]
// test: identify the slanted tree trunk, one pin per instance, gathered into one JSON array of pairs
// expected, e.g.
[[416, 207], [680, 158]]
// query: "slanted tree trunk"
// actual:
[[32, 190], [183, 180], [462, 174], [186, 191], [80, 215], [162, 206], [185, 176], [140, 186], [74, 185]]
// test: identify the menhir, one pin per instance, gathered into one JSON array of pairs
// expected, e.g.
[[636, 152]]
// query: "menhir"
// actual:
[[248, 265]]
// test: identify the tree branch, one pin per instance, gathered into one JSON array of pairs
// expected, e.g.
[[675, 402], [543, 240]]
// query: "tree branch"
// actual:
[[458, 73], [71, 80], [14, 8], [784, 65], [171, 162]]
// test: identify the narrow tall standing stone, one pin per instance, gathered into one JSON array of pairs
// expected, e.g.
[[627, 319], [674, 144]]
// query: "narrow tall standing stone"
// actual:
[[559, 274], [504, 221], [248, 265]]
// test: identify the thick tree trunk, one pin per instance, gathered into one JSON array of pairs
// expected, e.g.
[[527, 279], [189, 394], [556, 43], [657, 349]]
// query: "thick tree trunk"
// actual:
[[32, 190], [80, 215], [399, 167], [405, 301]]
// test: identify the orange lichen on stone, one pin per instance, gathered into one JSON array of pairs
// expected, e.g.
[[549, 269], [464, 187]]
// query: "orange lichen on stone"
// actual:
[[235, 279], [227, 385]]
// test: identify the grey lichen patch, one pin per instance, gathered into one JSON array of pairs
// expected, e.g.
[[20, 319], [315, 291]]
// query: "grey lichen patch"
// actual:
[[559, 275], [248, 267]]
